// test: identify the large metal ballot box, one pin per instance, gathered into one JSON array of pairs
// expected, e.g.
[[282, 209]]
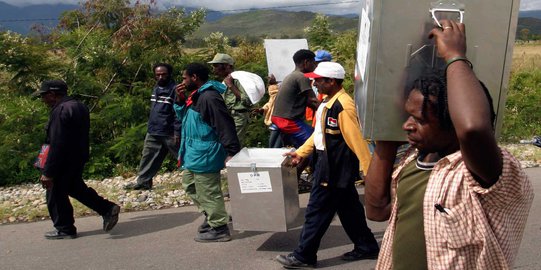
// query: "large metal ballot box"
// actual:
[[394, 49], [263, 190]]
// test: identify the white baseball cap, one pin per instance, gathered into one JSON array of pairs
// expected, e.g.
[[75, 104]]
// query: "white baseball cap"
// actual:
[[327, 70]]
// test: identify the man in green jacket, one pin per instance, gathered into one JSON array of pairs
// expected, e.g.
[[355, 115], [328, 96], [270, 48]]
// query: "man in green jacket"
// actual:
[[208, 141]]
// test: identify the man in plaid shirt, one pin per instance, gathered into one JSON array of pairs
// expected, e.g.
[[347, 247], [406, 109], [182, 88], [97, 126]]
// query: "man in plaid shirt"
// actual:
[[456, 200]]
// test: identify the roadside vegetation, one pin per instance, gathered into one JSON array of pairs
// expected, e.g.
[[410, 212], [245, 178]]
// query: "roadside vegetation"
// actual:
[[522, 117], [105, 52]]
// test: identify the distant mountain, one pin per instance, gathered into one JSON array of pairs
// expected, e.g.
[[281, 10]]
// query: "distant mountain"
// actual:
[[278, 23], [530, 14], [532, 24], [21, 19], [214, 15], [271, 23]]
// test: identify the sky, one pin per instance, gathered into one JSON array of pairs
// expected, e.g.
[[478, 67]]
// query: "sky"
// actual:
[[322, 6]]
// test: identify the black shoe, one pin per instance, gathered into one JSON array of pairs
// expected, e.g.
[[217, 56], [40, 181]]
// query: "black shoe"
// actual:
[[356, 255], [54, 235], [204, 227], [218, 234], [137, 186], [111, 218], [289, 261]]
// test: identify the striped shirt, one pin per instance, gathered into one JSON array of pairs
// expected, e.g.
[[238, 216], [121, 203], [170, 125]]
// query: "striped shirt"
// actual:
[[475, 228]]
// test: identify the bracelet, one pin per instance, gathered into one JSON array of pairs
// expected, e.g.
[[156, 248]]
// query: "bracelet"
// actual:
[[458, 58]]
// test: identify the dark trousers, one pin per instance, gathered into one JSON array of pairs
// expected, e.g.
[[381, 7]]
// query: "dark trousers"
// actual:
[[154, 152], [70, 184], [275, 138], [324, 203]]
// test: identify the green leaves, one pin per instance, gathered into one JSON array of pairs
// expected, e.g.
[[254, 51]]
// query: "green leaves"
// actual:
[[319, 34], [21, 136], [522, 118], [25, 63], [105, 52]]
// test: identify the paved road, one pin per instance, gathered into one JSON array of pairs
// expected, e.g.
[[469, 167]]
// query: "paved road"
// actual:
[[163, 239]]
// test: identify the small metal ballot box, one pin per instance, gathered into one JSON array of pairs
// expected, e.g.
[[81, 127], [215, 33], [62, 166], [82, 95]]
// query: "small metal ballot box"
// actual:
[[263, 190]]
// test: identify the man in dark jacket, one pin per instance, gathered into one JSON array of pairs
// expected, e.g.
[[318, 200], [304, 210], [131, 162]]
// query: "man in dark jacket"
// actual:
[[163, 128], [209, 140], [67, 137]]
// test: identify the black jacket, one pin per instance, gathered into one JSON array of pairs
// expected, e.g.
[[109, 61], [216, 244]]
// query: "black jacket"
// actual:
[[67, 135], [346, 152]]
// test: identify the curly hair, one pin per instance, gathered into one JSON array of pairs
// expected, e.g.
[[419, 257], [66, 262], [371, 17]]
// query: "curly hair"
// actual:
[[435, 84]]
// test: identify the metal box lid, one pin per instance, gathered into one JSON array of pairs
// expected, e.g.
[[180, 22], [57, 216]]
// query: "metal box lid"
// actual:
[[259, 157]]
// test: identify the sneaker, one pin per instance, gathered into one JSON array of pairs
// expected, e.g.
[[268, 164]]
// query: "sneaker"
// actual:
[[218, 234], [356, 255], [289, 261], [204, 227], [111, 218], [54, 235], [137, 186]]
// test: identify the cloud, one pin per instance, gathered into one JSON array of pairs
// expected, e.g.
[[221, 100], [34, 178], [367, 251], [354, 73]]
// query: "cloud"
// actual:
[[20, 3], [530, 5], [323, 6], [333, 7]]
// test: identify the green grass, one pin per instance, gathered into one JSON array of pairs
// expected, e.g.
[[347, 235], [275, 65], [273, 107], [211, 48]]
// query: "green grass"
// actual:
[[522, 117]]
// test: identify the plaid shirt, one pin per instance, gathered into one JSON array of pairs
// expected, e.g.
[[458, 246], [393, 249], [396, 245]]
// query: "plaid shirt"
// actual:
[[481, 228]]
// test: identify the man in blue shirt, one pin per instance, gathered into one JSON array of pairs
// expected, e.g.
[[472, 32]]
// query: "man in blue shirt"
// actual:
[[163, 128]]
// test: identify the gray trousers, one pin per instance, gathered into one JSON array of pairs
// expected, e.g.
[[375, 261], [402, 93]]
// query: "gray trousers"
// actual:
[[154, 151]]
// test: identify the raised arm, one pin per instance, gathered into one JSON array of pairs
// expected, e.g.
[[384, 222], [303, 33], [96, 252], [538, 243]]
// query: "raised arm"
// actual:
[[469, 107]]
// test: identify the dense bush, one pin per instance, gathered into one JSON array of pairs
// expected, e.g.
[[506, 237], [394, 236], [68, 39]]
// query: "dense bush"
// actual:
[[23, 122], [522, 118], [105, 53]]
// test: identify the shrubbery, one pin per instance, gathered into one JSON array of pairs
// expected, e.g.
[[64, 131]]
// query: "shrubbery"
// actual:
[[522, 118], [23, 122], [105, 53]]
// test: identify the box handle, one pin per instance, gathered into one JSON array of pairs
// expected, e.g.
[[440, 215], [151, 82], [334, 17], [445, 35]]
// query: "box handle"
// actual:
[[453, 10]]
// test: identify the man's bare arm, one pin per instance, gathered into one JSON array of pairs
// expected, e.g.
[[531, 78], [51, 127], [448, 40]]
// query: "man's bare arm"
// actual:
[[468, 107]]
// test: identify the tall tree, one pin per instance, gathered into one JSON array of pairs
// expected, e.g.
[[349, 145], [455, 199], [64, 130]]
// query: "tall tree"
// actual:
[[105, 52], [319, 34]]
